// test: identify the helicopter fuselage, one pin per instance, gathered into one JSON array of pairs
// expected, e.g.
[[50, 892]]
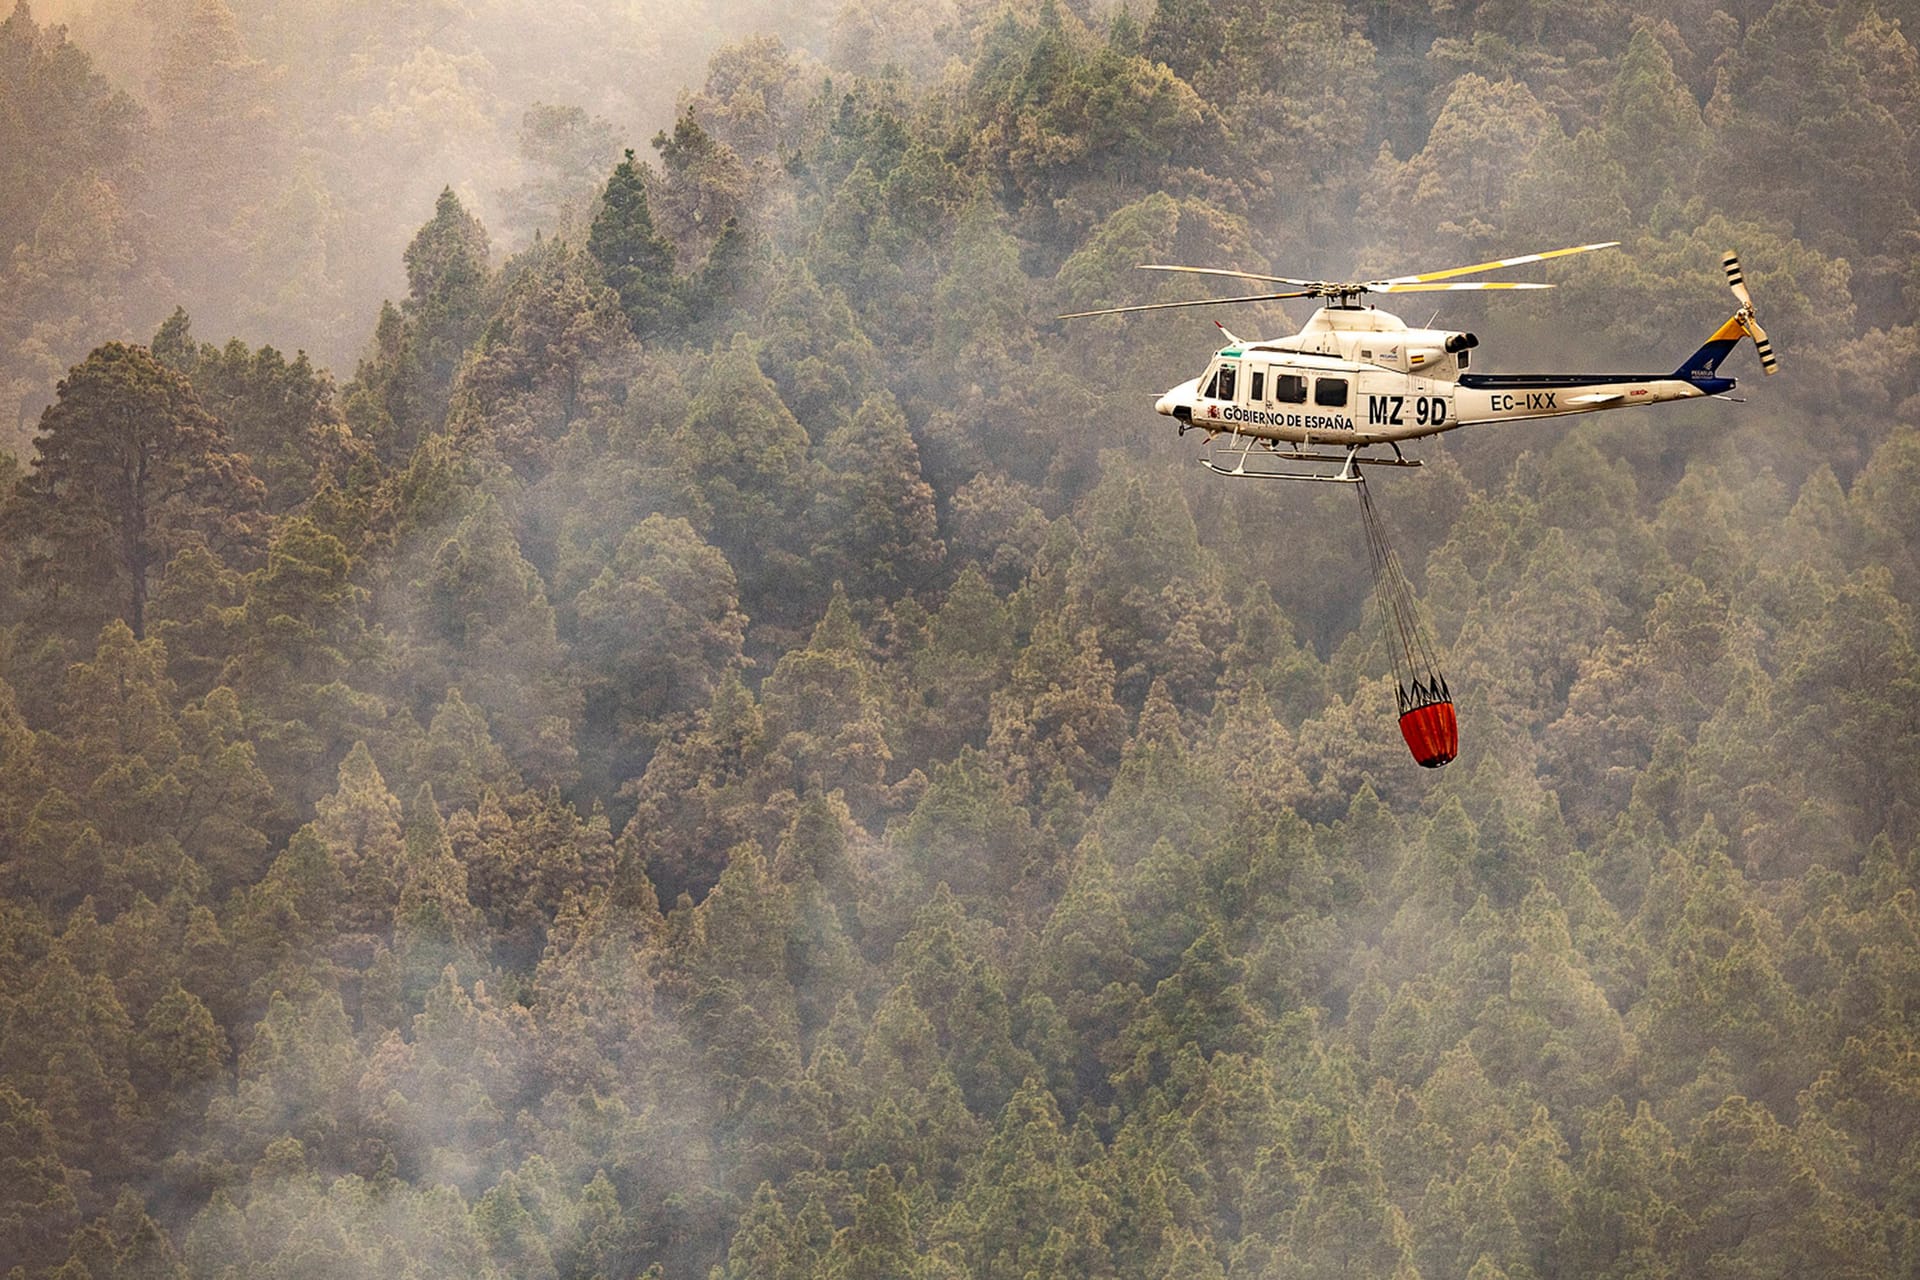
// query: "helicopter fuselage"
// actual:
[[1356, 376]]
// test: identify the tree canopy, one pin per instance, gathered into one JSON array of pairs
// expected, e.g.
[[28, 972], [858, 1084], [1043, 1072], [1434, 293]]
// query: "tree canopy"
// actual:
[[707, 735]]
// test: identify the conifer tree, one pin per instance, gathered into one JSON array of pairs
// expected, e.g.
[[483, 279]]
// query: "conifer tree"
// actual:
[[448, 274], [37, 1203], [128, 469], [658, 629], [879, 526], [635, 260], [878, 1245]]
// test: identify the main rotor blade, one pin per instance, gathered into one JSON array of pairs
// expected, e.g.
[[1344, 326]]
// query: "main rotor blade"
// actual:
[[1524, 258], [1460, 285], [1736, 279], [1220, 271], [1167, 306]]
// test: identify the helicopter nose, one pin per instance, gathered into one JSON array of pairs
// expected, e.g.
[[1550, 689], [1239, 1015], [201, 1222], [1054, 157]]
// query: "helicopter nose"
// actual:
[[1178, 401]]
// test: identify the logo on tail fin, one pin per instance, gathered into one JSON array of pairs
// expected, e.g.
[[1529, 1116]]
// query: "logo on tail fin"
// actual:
[[1703, 365]]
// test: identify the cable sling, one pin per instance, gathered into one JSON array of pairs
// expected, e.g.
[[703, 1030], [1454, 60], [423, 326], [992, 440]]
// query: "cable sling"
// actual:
[[1427, 718]]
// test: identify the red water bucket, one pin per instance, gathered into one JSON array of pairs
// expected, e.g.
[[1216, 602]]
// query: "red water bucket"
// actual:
[[1432, 733]]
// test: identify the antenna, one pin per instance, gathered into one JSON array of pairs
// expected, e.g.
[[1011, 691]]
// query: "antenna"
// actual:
[[1435, 316]]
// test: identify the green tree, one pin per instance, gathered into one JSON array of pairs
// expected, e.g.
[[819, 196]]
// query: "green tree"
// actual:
[[878, 1245], [218, 148], [282, 414], [461, 757], [67, 1044], [1623, 1196], [635, 259], [1652, 122], [172, 799], [448, 279], [970, 833], [1853, 686], [1151, 592], [759, 496], [879, 530], [537, 368], [128, 469], [523, 858], [1056, 718], [480, 618], [825, 709], [658, 629], [1457, 183], [763, 1246], [1799, 92], [1345, 1222], [71, 257], [386, 403], [359, 827], [704, 184], [178, 1052], [1027, 1208], [300, 638], [812, 347], [700, 795], [38, 1207]]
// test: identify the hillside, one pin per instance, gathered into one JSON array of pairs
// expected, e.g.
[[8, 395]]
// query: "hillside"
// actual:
[[711, 736]]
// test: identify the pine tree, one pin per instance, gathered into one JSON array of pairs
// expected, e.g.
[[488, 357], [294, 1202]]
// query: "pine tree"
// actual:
[[1028, 1210], [128, 469], [878, 1245], [880, 534], [759, 497], [538, 367], [635, 260], [360, 828], [448, 275], [37, 1204], [481, 619], [658, 629]]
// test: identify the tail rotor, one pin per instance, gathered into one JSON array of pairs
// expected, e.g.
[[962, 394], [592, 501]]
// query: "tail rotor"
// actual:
[[1737, 281]]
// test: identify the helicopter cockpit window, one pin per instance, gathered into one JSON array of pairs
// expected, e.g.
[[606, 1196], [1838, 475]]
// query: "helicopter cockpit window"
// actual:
[[1289, 388], [1226, 380], [1256, 385], [1207, 390], [1331, 392]]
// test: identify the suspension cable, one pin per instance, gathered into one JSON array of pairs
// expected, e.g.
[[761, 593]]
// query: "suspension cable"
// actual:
[[1416, 667]]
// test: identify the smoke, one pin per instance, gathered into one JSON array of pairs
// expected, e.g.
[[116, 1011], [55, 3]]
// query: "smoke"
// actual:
[[351, 128]]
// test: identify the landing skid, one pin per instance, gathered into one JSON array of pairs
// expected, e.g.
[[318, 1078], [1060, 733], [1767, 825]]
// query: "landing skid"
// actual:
[[1251, 458]]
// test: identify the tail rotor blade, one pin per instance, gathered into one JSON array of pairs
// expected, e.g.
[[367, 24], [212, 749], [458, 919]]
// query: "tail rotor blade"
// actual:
[[1736, 280], [1767, 361]]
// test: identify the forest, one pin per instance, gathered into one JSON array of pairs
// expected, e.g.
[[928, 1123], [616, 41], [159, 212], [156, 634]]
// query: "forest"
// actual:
[[592, 685]]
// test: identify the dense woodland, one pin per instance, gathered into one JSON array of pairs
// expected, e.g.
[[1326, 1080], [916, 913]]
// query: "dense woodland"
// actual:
[[710, 736]]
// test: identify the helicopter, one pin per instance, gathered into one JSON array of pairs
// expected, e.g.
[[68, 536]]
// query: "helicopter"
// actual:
[[1360, 379]]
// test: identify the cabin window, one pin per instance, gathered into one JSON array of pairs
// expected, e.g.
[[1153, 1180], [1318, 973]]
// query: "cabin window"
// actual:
[[1207, 391], [1289, 389], [1227, 372], [1331, 392], [1256, 385]]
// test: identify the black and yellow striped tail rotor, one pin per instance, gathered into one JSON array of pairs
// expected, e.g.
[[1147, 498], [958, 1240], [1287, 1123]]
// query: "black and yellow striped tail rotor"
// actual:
[[1737, 281]]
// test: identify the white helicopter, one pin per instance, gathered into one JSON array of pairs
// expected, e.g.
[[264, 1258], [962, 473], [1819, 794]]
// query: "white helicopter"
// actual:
[[1357, 377]]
